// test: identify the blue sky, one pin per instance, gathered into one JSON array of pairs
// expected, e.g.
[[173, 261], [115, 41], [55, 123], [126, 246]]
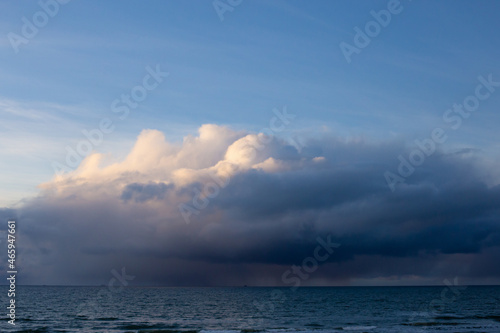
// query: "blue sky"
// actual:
[[263, 55]]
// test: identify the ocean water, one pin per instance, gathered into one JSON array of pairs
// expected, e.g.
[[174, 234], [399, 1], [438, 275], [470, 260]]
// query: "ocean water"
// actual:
[[243, 310]]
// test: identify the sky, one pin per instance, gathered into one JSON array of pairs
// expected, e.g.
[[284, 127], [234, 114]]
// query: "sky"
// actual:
[[237, 142]]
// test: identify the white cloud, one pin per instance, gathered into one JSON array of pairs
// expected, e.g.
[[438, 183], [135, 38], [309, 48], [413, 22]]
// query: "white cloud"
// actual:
[[273, 204], [216, 149]]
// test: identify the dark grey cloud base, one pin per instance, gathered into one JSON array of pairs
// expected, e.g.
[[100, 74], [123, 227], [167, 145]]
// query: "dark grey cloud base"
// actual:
[[444, 222]]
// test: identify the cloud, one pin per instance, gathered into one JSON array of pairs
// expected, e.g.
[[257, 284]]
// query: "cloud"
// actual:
[[144, 192], [257, 205]]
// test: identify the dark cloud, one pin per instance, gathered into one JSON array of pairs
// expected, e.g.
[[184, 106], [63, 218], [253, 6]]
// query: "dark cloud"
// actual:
[[444, 221]]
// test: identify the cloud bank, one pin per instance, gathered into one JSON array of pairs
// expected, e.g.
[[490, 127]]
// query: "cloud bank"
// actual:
[[229, 207]]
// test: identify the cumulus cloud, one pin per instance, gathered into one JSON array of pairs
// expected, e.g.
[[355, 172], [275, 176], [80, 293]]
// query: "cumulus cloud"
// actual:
[[230, 207]]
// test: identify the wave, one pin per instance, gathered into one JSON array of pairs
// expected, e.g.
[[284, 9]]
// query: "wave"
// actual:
[[449, 317], [358, 328], [431, 323], [36, 330], [107, 319], [149, 327], [494, 317]]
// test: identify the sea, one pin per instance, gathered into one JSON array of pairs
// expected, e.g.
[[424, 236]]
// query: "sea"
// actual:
[[253, 309]]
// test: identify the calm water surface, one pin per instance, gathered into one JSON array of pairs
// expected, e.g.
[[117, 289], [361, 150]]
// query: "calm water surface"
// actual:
[[235, 310]]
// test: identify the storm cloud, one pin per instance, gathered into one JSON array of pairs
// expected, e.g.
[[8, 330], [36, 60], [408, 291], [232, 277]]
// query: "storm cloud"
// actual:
[[228, 207]]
